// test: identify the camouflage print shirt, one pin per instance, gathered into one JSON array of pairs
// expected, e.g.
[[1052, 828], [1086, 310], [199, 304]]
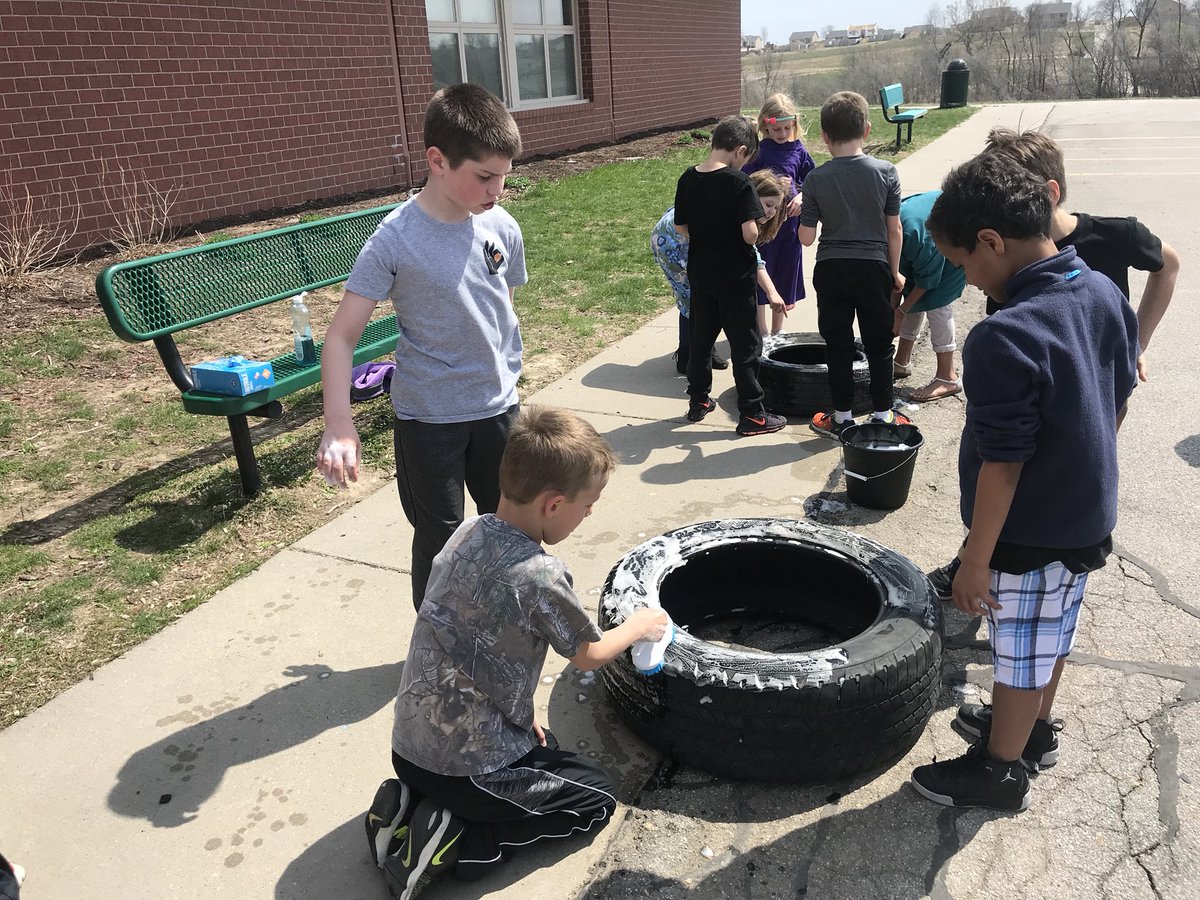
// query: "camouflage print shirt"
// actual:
[[495, 601]]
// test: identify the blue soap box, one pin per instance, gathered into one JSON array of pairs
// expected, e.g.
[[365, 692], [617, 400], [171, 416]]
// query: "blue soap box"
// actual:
[[233, 375]]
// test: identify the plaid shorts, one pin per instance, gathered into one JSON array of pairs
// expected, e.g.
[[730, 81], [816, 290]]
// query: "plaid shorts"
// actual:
[[1036, 625]]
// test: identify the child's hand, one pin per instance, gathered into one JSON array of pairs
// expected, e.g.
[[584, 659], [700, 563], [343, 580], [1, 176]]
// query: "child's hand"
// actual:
[[338, 457], [538, 733], [898, 281], [777, 304], [973, 589], [794, 207], [650, 623]]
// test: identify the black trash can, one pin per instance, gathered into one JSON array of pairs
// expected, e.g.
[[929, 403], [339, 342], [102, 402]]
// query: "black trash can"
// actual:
[[954, 84]]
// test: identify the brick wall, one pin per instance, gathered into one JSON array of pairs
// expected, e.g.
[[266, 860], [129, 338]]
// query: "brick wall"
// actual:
[[255, 104]]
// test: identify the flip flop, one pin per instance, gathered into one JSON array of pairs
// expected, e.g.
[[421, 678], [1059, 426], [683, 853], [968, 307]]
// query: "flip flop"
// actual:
[[900, 371], [956, 388]]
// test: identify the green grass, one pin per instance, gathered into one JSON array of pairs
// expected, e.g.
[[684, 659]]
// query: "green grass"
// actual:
[[586, 246]]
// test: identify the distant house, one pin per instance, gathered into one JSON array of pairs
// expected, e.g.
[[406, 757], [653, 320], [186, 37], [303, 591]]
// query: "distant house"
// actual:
[[994, 18], [862, 32], [838, 38], [914, 31], [1049, 15], [751, 43], [802, 40], [883, 34]]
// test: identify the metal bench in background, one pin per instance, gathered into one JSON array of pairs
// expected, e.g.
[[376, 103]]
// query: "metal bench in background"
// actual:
[[892, 97], [152, 299]]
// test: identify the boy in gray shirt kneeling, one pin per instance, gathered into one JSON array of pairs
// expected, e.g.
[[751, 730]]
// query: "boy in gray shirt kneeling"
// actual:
[[478, 776]]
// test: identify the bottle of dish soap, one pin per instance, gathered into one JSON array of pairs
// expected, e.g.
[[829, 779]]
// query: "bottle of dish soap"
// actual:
[[648, 655], [306, 350]]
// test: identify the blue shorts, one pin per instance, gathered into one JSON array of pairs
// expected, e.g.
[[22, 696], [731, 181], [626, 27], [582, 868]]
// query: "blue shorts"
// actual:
[[1035, 626]]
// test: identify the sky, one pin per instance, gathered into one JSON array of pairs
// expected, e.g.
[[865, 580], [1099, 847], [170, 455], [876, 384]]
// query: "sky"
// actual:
[[782, 17]]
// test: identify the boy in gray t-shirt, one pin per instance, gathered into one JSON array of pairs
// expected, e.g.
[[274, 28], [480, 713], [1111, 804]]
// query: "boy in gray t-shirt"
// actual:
[[449, 261], [856, 198], [477, 775]]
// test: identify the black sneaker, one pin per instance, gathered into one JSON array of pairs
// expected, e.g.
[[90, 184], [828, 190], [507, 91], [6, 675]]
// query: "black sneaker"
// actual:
[[974, 779], [698, 409], [942, 579], [429, 851], [718, 361], [763, 423], [1041, 750], [387, 819]]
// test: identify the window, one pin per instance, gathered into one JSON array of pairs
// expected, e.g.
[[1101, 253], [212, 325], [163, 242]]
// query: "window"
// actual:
[[522, 50]]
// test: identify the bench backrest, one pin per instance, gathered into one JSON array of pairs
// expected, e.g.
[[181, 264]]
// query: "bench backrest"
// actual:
[[891, 95], [148, 298]]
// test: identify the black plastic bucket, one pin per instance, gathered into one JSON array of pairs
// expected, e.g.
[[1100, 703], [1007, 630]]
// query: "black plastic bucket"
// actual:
[[879, 459]]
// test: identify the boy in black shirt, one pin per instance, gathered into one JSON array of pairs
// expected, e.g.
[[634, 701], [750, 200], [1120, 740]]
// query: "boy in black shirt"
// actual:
[[717, 210]]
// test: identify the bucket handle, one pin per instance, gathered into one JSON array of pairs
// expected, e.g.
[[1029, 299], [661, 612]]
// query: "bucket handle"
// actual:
[[906, 461]]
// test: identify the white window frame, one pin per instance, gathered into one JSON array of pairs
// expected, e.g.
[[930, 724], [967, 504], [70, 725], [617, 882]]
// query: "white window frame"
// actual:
[[506, 31]]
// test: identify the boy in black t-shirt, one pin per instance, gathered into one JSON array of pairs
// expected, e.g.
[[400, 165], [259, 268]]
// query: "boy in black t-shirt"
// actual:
[[1109, 244], [717, 210]]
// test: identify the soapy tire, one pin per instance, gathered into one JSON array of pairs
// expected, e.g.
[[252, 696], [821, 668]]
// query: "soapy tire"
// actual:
[[821, 715], [795, 379]]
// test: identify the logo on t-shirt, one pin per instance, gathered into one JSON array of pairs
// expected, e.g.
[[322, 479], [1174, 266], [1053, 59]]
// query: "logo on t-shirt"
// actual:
[[493, 256]]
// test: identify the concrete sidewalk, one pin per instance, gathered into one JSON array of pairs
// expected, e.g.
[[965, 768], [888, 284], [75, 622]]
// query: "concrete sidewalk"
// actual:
[[234, 754]]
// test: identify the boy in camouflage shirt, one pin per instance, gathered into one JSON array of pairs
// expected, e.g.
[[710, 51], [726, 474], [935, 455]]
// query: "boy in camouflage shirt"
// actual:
[[478, 775]]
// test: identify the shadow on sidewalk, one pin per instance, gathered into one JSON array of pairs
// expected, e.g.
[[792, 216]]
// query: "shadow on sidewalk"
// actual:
[[167, 782]]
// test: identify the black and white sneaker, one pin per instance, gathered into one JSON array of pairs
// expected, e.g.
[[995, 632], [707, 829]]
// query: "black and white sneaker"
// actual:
[[974, 780], [1041, 750], [429, 851], [387, 819], [11, 876], [942, 579]]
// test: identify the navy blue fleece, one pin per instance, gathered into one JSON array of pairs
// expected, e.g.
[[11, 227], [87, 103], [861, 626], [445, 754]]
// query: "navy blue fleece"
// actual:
[[1044, 377]]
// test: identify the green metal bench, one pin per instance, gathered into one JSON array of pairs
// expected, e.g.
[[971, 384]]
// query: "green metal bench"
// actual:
[[892, 97], [152, 299]]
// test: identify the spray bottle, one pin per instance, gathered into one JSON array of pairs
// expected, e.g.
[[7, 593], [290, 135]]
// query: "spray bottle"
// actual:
[[302, 336], [648, 655]]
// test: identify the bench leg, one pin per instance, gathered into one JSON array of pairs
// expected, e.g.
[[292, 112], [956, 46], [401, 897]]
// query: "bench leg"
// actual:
[[243, 449], [898, 127], [910, 132]]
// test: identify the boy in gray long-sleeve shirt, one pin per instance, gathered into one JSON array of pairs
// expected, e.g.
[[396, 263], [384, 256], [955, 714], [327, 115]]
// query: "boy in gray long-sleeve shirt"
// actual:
[[856, 198]]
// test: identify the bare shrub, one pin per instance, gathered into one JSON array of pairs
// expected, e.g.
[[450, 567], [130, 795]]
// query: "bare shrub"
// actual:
[[139, 208], [35, 231]]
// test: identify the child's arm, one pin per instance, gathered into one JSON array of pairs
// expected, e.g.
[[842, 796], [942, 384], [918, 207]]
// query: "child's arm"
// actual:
[[895, 234], [1160, 286], [340, 449], [683, 230], [807, 234], [773, 295], [644, 624], [994, 491], [750, 232]]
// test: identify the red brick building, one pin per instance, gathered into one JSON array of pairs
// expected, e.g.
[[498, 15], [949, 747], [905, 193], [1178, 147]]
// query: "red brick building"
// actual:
[[244, 105]]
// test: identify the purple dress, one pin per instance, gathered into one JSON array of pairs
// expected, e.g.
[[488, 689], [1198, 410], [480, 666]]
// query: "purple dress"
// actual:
[[782, 255]]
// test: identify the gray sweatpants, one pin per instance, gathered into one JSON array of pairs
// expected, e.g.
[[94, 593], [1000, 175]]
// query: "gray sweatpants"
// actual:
[[433, 463]]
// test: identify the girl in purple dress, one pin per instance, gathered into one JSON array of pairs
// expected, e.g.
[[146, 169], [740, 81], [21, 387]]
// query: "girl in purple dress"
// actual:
[[782, 153]]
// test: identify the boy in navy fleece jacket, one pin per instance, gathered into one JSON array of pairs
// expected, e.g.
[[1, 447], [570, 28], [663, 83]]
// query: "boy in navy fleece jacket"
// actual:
[[1045, 377]]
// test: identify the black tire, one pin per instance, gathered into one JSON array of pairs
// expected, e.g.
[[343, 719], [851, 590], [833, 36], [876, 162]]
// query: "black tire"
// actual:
[[795, 379], [827, 713]]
